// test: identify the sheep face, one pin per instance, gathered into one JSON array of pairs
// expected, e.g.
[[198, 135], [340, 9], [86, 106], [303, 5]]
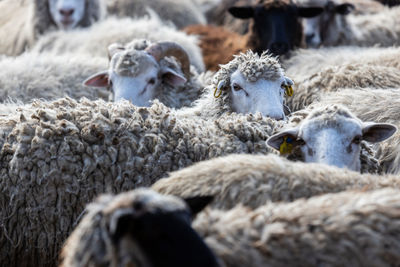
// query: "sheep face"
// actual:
[[319, 28], [136, 75], [66, 14], [264, 96], [332, 136], [277, 26]]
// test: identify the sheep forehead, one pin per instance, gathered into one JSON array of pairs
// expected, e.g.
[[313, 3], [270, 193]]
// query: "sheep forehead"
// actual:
[[275, 3], [132, 63], [320, 3], [150, 202], [252, 66], [331, 117]]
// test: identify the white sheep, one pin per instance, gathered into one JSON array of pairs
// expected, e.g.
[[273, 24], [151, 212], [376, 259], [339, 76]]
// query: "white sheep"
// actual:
[[141, 72], [331, 29], [255, 180], [351, 228], [181, 12], [24, 21], [40, 76], [374, 105], [63, 153], [95, 40], [330, 134], [138, 228]]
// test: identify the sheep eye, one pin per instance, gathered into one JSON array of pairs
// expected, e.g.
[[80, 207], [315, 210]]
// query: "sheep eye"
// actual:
[[237, 87], [357, 140], [152, 81]]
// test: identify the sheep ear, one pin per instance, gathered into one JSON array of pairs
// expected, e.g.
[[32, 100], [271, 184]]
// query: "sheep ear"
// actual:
[[197, 204], [288, 81], [309, 12], [344, 9], [172, 77], [377, 132], [242, 12], [120, 223], [100, 79], [278, 139]]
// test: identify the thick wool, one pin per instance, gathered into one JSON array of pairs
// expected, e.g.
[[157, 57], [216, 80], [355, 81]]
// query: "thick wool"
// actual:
[[255, 180], [91, 243], [95, 40], [48, 77], [25, 21], [345, 229], [331, 79], [379, 106], [181, 13]]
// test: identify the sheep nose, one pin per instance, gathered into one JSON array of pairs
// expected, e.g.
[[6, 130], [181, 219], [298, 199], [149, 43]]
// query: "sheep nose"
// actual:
[[67, 12], [309, 37], [279, 48]]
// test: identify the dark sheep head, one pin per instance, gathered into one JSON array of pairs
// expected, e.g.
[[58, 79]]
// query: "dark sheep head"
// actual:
[[276, 24]]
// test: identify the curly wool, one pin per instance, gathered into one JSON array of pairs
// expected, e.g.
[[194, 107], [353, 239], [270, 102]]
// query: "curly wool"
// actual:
[[62, 154], [95, 40], [41, 76], [255, 180], [27, 20], [351, 228]]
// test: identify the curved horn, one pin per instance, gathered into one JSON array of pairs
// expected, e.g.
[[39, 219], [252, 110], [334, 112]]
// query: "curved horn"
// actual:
[[164, 49], [114, 48]]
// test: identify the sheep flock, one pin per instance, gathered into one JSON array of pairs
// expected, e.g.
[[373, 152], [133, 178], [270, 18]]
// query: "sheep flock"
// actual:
[[198, 133]]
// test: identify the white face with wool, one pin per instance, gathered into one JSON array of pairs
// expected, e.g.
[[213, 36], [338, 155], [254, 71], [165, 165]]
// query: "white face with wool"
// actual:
[[67, 13], [336, 146], [262, 96]]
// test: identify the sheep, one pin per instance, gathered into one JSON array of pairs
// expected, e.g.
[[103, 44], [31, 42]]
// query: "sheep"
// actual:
[[140, 228], [374, 105], [25, 21], [95, 40], [255, 180], [141, 72], [181, 12], [271, 15], [62, 153], [31, 76], [389, 2], [329, 29], [330, 79], [351, 228]]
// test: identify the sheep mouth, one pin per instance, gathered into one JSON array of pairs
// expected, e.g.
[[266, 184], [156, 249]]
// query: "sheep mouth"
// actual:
[[67, 22]]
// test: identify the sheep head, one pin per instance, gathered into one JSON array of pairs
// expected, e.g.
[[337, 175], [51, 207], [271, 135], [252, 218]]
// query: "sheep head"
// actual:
[[139, 228], [251, 83], [331, 135], [276, 24], [139, 75], [67, 14], [319, 28]]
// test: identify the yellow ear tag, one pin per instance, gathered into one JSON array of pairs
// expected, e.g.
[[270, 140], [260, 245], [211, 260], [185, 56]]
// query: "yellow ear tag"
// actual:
[[217, 94], [288, 90], [287, 146]]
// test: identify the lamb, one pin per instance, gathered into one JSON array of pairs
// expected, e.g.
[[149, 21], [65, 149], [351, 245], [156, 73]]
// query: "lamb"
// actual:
[[181, 12], [255, 180], [345, 229], [374, 105], [140, 228], [32, 76], [25, 21], [141, 72], [265, 14], [95, 40], [381, 28], [56, 151]]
